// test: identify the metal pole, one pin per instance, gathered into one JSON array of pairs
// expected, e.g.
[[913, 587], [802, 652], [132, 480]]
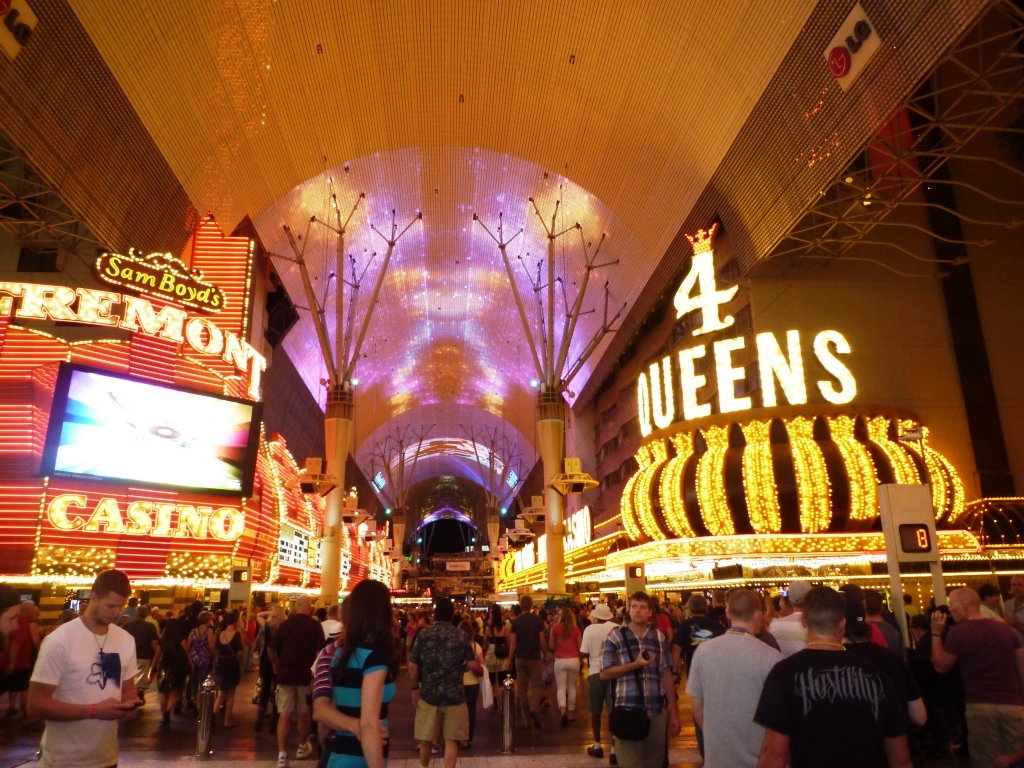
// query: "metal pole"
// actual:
[[508, 715], [314, 308], [205, 725], [349, 366], [549, 357]]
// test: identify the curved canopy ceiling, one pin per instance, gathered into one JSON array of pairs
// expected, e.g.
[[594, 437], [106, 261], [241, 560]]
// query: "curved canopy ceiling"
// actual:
[[457, 440], [622, 111]]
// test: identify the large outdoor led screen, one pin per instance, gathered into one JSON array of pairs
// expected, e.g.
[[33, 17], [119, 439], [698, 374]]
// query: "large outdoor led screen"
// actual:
[[113, 427]]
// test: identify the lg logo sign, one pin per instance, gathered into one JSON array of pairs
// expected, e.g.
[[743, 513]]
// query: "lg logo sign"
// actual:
[[852, 48]]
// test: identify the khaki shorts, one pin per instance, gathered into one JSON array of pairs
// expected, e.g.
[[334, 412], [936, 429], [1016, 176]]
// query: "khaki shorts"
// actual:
[[453, 722], [292, 698]]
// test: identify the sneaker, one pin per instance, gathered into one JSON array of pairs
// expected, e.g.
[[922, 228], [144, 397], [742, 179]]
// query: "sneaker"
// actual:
[[282, 760], [436, 750], [595, 751], [612, 759], [304, 751]]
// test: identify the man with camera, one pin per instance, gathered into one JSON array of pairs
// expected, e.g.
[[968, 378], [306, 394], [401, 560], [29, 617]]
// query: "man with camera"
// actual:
[[637, 659]]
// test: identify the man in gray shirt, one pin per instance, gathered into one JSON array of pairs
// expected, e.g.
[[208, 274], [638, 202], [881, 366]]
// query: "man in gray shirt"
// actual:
[[725, 684]]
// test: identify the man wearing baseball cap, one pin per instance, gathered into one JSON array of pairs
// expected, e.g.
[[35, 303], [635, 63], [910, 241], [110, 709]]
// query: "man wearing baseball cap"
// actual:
[[592, 648], [788, 630]]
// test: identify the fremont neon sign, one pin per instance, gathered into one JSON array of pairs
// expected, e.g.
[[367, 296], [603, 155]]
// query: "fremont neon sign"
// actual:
[[137, 314], [669, 390], [70, 512]]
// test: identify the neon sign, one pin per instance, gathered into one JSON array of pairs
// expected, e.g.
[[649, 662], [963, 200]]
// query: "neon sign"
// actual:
[[578, 533], [160, 275], [95, 307], [669, 390], [67, 512]]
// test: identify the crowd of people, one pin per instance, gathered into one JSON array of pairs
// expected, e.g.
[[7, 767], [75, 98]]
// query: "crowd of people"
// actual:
[[813, 676]]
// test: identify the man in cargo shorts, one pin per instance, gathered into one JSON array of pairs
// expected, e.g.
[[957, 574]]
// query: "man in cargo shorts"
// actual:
[[436, 665], [528, 648], [592, 648], [293, 649]]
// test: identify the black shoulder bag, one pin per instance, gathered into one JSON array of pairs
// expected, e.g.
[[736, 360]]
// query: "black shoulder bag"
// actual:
[[630, 723]]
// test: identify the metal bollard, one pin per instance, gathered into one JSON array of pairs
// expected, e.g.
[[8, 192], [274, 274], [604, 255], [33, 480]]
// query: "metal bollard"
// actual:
[[205, 724], [508, 714]]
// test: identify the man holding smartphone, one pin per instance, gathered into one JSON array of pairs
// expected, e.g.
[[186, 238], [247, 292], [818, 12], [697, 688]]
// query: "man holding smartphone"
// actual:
[[83, 683], [637, 658]]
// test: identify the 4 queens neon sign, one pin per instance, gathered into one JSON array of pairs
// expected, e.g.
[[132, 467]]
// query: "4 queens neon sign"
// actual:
[[669, 390]]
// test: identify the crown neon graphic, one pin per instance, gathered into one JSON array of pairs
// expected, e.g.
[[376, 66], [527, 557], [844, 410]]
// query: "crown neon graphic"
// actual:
[[701, 277]]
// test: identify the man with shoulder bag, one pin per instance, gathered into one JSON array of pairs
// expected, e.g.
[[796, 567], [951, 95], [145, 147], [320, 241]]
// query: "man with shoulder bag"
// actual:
[[637, 659]]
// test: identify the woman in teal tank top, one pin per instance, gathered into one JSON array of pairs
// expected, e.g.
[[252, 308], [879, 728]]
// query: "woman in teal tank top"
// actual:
[[353, 684]]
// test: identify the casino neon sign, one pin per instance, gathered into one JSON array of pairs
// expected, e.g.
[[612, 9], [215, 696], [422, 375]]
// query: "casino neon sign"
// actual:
[[71, 512], [137, 314], [669, 391], [578, 533]]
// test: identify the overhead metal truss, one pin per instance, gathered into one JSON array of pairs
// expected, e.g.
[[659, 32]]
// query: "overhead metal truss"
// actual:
[[971, 90], [33, 213]]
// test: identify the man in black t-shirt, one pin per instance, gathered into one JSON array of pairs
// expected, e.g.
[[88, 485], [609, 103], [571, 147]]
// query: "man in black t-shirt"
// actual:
[[893, 665], [826, 706], [694, 631], [528, 648], [691, 633], [146, 639]]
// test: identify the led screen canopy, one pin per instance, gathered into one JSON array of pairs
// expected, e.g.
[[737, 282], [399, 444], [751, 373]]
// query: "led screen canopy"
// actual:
[[114, 427]]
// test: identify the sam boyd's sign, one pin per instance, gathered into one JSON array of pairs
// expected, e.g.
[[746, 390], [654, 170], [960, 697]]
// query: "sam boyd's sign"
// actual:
[[160, 275]]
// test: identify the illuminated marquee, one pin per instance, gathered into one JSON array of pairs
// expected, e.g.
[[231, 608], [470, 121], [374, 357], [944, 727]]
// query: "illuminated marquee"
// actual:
[[160, 275], [578, 533], [95, 307], [669, 391], [70, 512]]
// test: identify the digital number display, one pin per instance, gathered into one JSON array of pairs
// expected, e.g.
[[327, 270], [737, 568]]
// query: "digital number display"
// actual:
[[915, 538]]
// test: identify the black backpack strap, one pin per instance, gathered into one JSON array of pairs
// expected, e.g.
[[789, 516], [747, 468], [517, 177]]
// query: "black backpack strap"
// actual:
[[629, 652]]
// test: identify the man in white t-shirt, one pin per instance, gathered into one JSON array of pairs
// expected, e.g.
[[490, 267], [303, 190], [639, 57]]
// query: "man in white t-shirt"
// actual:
[[789, 632], [725, 684], [83, 683], [591, 649]]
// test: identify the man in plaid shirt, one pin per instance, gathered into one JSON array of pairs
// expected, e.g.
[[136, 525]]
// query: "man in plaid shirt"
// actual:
[[652, 663]]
